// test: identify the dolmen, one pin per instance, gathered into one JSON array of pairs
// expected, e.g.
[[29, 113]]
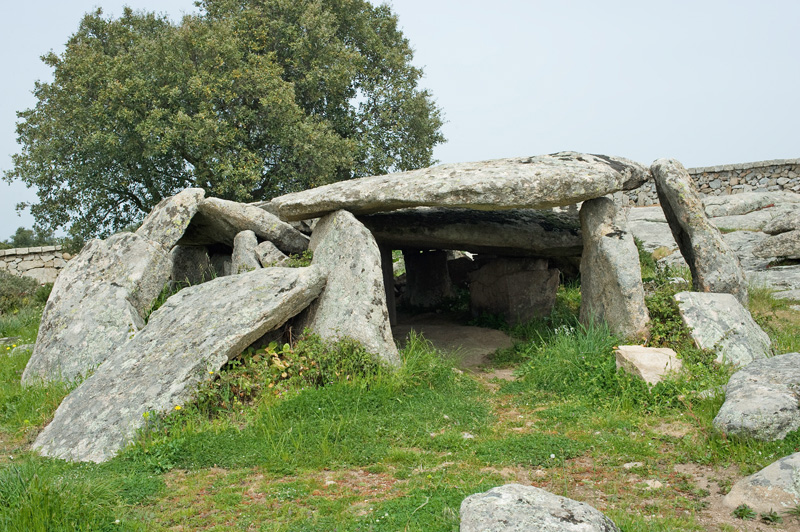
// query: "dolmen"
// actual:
[[525, 219]]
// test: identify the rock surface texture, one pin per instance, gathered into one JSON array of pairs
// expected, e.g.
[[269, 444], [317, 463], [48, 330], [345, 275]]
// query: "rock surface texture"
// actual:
[[98, 301], [774, 488], [521, 183], [245, 258], [650, 364], [194, 333], [761, 399], [789, 221], [611, 278], [714, 266], [167, 222], [720, 323], [518, 508], [353, 303], [269, 255], [784, 245]]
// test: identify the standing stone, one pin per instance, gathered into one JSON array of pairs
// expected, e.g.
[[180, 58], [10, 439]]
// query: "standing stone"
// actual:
[[774, 488], [218, 221], [427, 278], [611, 278], [269, 255], [519, 183], [353, 303], [721, 323], [761, 399], [186, 341], [98, 301], [714, 266], [518, 508], [191, 265], [517, 289], [167, 222], [245, 258]]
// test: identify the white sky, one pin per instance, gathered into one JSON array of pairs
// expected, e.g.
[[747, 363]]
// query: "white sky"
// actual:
[[706, 82]]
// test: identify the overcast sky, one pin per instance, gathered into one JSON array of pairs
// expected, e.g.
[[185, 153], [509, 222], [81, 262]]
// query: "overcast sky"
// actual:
[[706, 82]]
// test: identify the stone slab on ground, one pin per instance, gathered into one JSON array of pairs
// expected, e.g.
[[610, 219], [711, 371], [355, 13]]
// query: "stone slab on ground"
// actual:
[[788, 221], [774, 488], [720, 323], [784, 245], [761, 399], [746, 202], [353, 303], [518, 508], [651, 364], [538, 182], [193, 334], [98, 301]]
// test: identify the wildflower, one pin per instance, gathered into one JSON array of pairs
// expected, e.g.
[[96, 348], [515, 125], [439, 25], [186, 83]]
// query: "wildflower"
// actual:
[[552, 456], [211, 372], [178, 407]]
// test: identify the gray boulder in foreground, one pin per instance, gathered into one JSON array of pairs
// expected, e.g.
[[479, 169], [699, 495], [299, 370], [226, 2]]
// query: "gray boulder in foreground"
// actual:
[[784, 245], [774, 488], [721, 323], [219, 221], [519, 183], [761, 399], [353, 303], [518, 508], [611, 278], [167, 222], [98, 302], [714, 265], [194, 333]]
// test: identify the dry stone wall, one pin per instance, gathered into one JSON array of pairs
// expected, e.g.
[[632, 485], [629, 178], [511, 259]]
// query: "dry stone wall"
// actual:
[[761, 176], [42, 263]]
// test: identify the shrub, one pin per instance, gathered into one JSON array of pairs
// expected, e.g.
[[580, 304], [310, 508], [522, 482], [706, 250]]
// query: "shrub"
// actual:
[[16, 292]]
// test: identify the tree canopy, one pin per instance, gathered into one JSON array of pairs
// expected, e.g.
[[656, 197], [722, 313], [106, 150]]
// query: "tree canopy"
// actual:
[[249, 99]]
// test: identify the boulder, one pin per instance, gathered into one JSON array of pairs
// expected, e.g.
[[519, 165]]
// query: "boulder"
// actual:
[[518, 508], [191, 265], [269, 255], [518, 289], [183, 345], [719, 322], [761, 399], [219, 221], [519, 183], [611, 278], [783, 245], [714, 266], [788, 221], [516, 232], [650, 364], [427, 278], [774, 488], [98, 301], [167, 222], [353, 303], [244, 258]]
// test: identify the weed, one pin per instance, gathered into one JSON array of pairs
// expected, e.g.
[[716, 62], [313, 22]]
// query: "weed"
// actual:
[[744, 512], [771, 517]]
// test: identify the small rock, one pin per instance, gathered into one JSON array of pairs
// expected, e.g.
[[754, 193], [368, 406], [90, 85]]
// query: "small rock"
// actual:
[[650, 364], [631, 465]]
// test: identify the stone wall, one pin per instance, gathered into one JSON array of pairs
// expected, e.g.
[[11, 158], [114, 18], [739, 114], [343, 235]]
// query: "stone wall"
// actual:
[[42, 263], [762, 176]]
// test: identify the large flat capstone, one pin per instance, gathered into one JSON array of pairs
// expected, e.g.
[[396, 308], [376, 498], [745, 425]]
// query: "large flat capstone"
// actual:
[[192, 335], [538, 182], [97, 303]]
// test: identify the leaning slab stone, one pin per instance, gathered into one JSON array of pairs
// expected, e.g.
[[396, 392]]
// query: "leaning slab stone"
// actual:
[[784, 245], [167, 222], [269, 255], [219, 221], [184, 342], [353, 303], [518, 289], [774, 488], [518, 508], [714, 266], [244, 258], [761, 399], [788, 221], [517, 232], [520, 183], [651, 364], [611, 278], [98, 301], [719, 322]]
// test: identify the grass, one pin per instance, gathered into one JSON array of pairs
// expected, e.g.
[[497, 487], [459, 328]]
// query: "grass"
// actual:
[[318, 437]]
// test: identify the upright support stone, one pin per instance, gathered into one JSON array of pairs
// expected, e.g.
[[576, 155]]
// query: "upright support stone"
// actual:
[[245, 258], [387, 266], [611, 278], [714, 265], [427, 279]]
